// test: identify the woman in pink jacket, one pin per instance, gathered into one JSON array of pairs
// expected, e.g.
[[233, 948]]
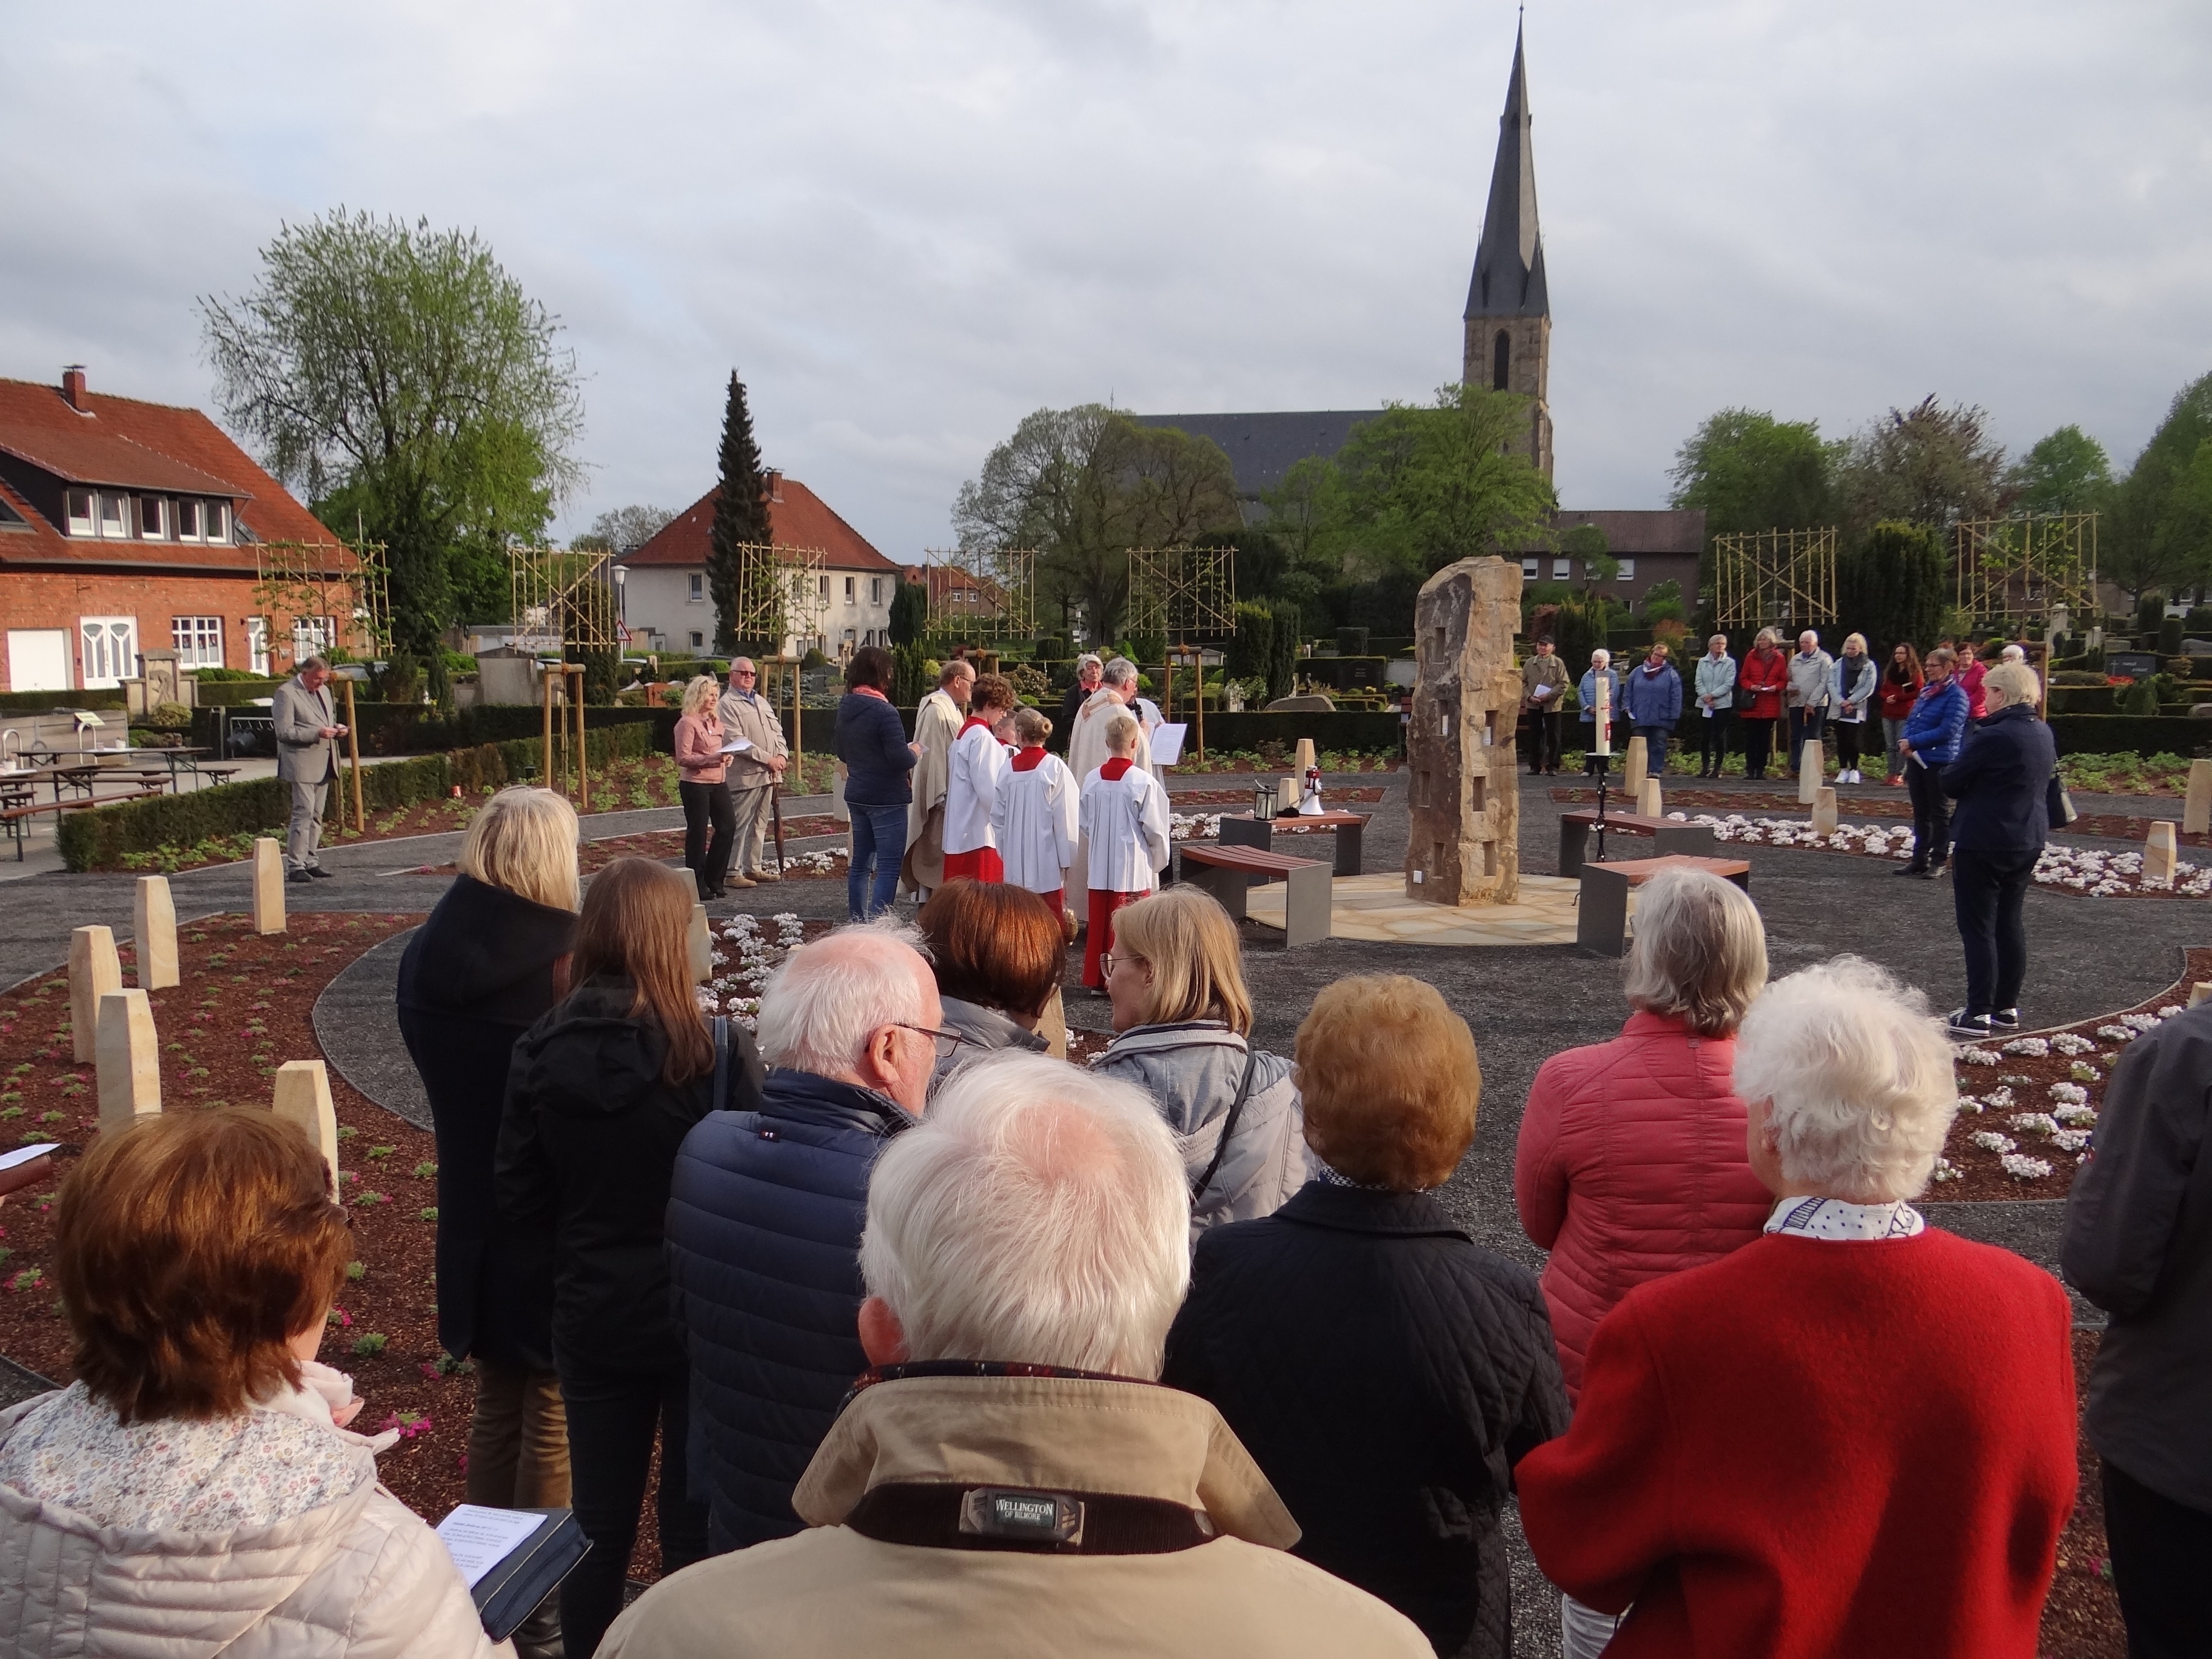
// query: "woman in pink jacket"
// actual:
[[1631, 1164]]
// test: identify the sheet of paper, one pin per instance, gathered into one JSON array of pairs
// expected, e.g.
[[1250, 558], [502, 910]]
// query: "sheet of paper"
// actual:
[[25, 1154], [737, 745], [479, 1539], [1167, 745]]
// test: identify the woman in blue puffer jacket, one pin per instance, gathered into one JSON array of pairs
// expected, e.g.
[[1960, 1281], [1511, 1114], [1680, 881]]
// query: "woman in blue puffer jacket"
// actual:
[[1932, 732]]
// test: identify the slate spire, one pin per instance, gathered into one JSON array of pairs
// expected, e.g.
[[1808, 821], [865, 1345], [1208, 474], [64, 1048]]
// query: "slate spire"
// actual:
[[1509, 267]]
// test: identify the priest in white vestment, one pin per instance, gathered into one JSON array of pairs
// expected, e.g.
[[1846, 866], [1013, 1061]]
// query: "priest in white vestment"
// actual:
[[936, 724]]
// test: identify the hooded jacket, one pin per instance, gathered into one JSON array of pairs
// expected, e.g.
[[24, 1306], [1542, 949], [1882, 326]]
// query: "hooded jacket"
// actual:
[[764, 1218], [475, 976], [301, 1551], [585, 1148], [1653, 699], [1191, 1069]]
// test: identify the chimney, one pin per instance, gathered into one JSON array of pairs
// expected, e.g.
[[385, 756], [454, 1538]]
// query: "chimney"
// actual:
[[773, 475], [73, 387]]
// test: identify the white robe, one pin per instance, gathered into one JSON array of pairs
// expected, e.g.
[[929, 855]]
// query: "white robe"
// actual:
[[1035, 821], [936, 723], [1125, 827], [977, 763], [1087, 752]]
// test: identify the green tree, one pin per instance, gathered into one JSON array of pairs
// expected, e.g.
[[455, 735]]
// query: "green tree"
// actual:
[[1251, 652], [1926, 465], [1749, 472], [740, 517], [1282, 649], [2065, 472], [1895, 585], [909, 613], [623, 530], [2161, 531], [1593, 563], [402, 380]]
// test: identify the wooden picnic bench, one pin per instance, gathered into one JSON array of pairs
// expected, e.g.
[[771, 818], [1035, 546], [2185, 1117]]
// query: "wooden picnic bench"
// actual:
[[1601, 915], [1242, 830], [16, 818], [1226, 871], [1666, 834]]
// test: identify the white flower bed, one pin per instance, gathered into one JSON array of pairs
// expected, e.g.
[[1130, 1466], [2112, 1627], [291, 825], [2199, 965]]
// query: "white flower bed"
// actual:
[[2022, 1168], [2028, 1047], [2035, 1123], [2076, 1117], [2070, 1140], [2066, 1042], [1947, 1170], [747, 949], [1990, 1141], [2091, 871], [2069, 1094], [1193, 826], [2082, 1072], [1969, 1055]]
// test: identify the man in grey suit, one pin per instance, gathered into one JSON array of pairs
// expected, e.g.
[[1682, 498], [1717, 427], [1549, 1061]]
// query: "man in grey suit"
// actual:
[[755, 773], [306, 759]]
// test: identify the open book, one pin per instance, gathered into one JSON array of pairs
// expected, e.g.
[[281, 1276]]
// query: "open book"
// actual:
[[510, 1559]]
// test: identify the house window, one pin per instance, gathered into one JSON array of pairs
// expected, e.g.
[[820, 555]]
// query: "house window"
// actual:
[[197, 640], [698, 586], [851, 584], [875, 590], [114, 511], [825, 589], [256, 641], [698, 640], [150, 516], [110, 646], [80, 512], [1529, 568], [1562, 569], [188, 522], [311, 637], [218, 521], [1627, 570], [11, 520]]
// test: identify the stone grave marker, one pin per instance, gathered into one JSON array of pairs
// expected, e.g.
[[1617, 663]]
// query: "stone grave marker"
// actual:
[[94, 972], [1651, 799], [1824, 811], [1636, 768], [1463, 845], [2196, 805], [129, 1066], [154, 920], [268, 886], [2161, 853], [1305, 759], [1811, 765], [701, 946], [303, 1096]]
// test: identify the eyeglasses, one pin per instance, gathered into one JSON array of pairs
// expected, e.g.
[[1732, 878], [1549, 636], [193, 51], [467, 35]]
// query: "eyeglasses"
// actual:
[[743, 673], [1107, 959], [946, 1043]]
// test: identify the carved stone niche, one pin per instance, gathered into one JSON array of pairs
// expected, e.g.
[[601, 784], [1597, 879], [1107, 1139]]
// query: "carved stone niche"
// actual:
[[1465, 844]]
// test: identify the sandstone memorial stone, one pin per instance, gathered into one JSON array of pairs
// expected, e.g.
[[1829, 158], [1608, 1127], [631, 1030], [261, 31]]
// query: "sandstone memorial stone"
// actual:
[[1811, 764], [1464, 843], [303, 1096], [268, 886], [1824, 811], [153, 924], [1651, 799], [1636, 768], [2196, 805], [2161, 853], [128, 1071], [94, 972]]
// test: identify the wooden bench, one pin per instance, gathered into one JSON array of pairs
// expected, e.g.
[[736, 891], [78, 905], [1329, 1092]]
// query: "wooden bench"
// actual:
[[1226, 871], [1668, 836], [17, 818], [220, 771], [1241, 830], [1601, 916]]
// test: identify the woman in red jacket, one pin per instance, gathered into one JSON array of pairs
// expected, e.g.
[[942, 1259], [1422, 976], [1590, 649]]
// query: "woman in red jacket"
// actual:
[[1854, 1435], [1898, 691], [1766, 677]]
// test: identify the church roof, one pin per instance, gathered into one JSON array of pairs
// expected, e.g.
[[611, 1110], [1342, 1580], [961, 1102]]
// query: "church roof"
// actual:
[[1262, 447], [1509, 267]]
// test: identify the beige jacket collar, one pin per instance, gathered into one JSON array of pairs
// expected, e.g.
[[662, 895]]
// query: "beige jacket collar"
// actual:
[[1053, 1433]]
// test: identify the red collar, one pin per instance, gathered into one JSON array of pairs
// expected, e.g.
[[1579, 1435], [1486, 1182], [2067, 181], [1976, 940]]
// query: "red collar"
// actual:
[[869, 691], [971, 723], [1027, 760], [1114, 769]]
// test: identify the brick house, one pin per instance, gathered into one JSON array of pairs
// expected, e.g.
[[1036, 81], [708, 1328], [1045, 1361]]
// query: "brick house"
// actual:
[[665, 597], [129, 526]]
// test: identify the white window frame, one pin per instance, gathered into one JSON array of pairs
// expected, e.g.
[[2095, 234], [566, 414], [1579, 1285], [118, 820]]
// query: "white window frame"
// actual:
[[160, 532], [852, 590], [197, 641], [1563, 570], [698, 640], [311, 636], [698, 587], [86, 523], [123, 514], [256, 643], [217, 514], [191, 515], [823, 593], [108, 651], [875, 590], [1530, 568], [1627, 569]]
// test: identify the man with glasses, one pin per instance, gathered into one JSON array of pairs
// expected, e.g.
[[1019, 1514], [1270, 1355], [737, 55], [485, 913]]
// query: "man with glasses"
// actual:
[[764, 1217], [754, 772]]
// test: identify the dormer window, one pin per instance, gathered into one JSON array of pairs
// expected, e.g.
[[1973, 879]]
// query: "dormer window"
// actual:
[[114, 515], [218, 521], [152, 519], [80, 512], [188, 522]]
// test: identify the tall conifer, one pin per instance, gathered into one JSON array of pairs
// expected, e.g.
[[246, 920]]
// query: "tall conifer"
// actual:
[[740, 515]]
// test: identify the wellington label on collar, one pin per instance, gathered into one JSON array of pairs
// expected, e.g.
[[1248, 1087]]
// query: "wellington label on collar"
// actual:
[[1032, 1517]]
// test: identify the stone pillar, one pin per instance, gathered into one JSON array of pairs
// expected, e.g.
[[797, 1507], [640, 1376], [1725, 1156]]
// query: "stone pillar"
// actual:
[[268, 886], [303, 1096], [1464, 846], [94, 972], [1651, 799], [1286, 794], [1305, 759], [1824, 812], [1052, 1028], [1635, 768], [2196, 805], [701, 945], [2161, 853], [1811, 767], [2199, 991], [154, 920], [129, 1068]]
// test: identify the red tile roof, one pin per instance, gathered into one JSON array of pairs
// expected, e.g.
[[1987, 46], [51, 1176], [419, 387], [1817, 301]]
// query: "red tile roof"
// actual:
[[124, 443], [797, 518]]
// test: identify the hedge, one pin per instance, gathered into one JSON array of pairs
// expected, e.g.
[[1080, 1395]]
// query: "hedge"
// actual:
[[49, 702], [99, 836]]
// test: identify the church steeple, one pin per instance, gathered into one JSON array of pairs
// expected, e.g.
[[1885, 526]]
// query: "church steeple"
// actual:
[[1509, 307]]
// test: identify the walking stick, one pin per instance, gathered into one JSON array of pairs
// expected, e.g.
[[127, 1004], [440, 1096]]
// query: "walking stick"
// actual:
[[775, 806]]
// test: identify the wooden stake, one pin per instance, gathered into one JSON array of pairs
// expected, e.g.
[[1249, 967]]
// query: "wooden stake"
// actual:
[[1052, 1028], [583, 752], [303, 1096], [545, 678], [129, 1066], [94, 972], [268, 886], [353, 756], [154, 923]]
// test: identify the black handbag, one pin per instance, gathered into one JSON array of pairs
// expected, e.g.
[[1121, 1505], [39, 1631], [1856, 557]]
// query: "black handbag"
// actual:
[[2057, 805]]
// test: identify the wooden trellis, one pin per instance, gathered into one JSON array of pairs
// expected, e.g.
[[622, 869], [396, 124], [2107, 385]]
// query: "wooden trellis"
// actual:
[[782, 595], [2020, 569], [1185, 594], [981, 595], [1770, 578], [562, 600], [312, 596]]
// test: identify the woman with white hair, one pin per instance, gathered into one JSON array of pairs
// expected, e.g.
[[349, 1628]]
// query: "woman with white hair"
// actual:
[[2003, 781], [1586, 693], [1857, 1433]]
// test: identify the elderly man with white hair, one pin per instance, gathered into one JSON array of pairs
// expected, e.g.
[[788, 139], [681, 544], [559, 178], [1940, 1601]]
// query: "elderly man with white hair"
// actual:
[[1855, 1434], [765, 1215], [1009, 1478]]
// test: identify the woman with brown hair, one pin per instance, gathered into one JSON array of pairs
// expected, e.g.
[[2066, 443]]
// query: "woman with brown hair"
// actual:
[[997, 952], [196, 1487], [599, 1096]]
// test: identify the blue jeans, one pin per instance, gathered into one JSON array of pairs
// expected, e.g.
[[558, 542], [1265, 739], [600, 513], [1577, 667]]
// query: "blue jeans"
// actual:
[[878, 838]]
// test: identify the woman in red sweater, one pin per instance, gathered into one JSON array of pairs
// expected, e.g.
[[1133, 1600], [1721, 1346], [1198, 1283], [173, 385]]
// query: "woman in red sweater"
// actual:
[[1854, 1435], [1766, 677], [1900, 689]]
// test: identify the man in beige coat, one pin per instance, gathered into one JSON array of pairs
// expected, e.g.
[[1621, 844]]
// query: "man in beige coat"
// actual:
[[754, 772], [1008, 1480], [306, 759], [936, 724]]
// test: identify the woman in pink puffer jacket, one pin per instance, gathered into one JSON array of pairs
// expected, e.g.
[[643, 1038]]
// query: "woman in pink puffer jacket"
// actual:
[[1631, 1164]]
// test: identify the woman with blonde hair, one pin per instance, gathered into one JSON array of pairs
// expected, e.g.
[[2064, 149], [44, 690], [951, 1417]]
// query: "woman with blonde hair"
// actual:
[[600, 1095], [196, 1488], [702, 772], [491, 959], [1182, 1021], [1857, 682], [1423, 1362]]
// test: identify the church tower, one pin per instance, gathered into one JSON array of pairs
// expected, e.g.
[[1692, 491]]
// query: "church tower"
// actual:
[[1509, 311]]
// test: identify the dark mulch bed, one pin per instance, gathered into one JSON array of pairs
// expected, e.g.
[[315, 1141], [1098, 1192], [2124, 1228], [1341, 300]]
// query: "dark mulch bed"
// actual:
[[2081, 1617]]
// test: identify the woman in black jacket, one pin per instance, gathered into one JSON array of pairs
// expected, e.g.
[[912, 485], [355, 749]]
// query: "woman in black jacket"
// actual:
[[870, 739], [599, 1096], [475, 977], [1385, 1371]]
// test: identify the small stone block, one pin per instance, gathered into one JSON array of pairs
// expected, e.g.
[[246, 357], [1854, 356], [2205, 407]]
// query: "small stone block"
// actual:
[[1811, 765], [2161, 853], [129, 1066], [2198, 992], [1305, 759], [94, 972], [1286, 794], [303, 1096], [1651, 799], [268, 886], [702, 945], [154, 921], [1052, 1028], [2196, 805], [1824, 812], [1636, 768]]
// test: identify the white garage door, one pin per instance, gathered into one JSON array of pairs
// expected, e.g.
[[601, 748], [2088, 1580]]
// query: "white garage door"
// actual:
[[38, 660]]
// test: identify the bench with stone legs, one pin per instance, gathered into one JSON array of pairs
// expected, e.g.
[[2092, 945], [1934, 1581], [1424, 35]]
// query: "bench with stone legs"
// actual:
[[1602, 910], [1226, 871], [1667, 836]]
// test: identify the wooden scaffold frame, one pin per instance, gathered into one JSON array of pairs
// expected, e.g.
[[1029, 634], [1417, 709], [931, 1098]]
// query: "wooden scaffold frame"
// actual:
[[982, 596], [564, 603], [1774, 578], [2023, 568], [324, 593], [1187, 596], [781, 599]]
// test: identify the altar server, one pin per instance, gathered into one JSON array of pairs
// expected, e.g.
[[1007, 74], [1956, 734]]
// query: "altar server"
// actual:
[[973, 770], [1124, 818], [1035, 820]]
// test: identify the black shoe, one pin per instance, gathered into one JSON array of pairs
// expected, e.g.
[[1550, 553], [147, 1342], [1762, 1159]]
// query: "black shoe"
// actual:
[[299, 878], [1911, 870], [2004, 1019], [317, 872], [1969, 1027]]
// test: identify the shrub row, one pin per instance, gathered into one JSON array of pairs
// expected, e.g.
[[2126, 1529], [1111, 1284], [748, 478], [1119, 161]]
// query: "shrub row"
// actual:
[[99, 838]]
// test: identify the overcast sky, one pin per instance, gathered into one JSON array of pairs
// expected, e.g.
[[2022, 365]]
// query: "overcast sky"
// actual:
[[910, 224]]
